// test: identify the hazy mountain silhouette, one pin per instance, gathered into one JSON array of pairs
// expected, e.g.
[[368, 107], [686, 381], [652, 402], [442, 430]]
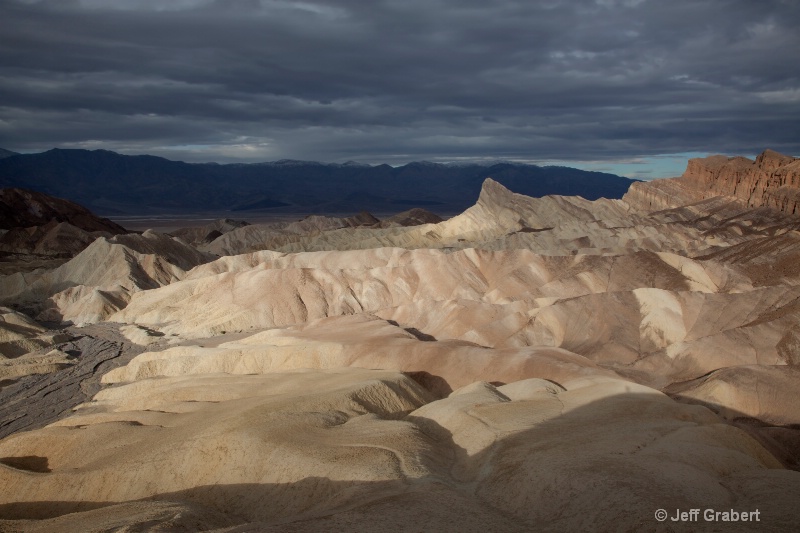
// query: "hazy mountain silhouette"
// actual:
[[109, 183]]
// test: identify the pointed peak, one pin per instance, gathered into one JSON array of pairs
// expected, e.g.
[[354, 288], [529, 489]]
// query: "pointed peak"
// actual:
[[770, 160], [491, 190]]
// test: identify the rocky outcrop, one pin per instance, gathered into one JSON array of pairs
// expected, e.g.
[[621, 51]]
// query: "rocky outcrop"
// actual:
[[59, 239], [204, 234], [772, 180], [20, 208], [412, 217], [657, 195], [99, 280], [20, 335], [35, 225]]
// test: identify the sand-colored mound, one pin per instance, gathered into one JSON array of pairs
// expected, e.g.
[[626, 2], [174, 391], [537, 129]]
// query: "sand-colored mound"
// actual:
[[315, 441], [14, 325], [262, 236], [651, 335], [20, 335], [766, 393], [81, 305], [311, 449], [674, 335], [99, 280], [32, 363], [268, 289], [620, 457], [276, 234], [655, 317], [357, 341], [758, 398]]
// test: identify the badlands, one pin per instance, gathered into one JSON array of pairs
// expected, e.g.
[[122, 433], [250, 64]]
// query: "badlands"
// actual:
[[532, 364]]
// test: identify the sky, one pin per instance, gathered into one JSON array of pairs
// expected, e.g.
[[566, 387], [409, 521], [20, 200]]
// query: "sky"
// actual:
[[632, 87]]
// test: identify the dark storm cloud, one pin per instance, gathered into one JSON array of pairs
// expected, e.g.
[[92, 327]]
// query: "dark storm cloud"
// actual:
[[400, 80]]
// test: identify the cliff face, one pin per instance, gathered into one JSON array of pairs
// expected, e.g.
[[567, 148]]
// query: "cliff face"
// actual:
[[772, 180]]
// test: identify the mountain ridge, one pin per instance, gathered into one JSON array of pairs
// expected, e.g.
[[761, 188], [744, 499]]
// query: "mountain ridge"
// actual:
[[107, 182]]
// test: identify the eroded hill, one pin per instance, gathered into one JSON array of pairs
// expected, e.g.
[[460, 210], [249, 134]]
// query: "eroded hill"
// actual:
[[531, 364]]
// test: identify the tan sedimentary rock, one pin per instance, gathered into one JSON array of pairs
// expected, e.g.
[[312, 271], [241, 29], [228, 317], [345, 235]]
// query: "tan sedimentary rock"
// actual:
[[653, 313], [763, 392], [20, 335], [361, 341], [99, 280], [307, 449], [32, 363]]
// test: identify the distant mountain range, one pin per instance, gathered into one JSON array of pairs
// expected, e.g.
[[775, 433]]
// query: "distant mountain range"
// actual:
[[112, 184]]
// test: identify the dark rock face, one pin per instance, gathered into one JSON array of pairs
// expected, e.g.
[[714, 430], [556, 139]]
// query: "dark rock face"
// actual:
[[59, 239], [37, 400], [20, 208], [44, 226]]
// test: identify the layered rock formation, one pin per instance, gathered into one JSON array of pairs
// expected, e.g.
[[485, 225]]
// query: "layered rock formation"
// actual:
[[772, 180]]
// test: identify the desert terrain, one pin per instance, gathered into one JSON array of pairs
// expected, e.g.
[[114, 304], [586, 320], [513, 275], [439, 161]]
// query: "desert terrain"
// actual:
[[531, 364]]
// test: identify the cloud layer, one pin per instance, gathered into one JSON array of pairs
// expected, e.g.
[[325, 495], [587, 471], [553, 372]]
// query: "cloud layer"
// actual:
[[393, 81]]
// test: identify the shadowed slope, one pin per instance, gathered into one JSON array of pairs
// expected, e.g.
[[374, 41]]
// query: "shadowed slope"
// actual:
[[356, 447]]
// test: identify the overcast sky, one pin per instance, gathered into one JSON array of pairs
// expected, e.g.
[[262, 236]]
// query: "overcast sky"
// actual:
[[619, 85]]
